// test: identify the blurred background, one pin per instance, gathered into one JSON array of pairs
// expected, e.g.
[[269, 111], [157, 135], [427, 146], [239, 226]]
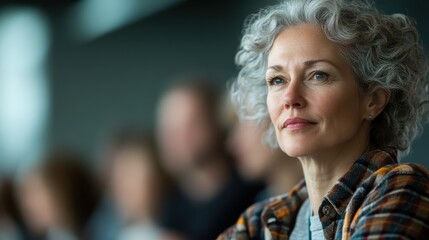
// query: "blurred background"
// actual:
[[74, 72]]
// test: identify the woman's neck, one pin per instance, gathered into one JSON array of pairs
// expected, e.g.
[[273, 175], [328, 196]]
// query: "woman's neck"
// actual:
[[323, 170]]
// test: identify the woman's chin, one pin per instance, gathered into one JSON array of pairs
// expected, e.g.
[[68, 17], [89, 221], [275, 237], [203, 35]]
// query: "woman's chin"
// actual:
[[294, 148], [294, 152]]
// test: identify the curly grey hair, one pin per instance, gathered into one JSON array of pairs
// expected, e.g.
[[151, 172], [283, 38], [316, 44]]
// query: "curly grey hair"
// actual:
[[384, 51]]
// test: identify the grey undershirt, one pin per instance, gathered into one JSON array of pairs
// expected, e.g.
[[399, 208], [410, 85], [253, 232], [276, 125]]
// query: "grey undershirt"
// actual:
[[306, 223]]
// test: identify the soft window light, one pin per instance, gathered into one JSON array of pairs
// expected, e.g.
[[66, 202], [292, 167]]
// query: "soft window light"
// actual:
[[24, 43]]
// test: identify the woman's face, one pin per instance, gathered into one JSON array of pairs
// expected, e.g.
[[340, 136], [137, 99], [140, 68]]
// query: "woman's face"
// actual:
[[313, 98], [132, 183]]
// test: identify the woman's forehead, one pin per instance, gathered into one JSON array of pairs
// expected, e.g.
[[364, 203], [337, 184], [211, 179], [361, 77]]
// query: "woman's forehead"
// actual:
[[303, 44]]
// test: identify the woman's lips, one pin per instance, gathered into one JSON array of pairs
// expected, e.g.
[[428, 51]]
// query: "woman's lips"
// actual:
[[297, 123]]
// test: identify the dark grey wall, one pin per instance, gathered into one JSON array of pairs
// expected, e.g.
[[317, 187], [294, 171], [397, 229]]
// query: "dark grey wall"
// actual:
[[118, 79]]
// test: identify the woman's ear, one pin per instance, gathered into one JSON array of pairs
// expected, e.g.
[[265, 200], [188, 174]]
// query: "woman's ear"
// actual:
[[376, 101]]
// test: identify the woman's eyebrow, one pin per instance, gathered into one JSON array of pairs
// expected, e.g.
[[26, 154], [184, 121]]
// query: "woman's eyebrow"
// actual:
[[310, 63], [307, 63], [277, 68]]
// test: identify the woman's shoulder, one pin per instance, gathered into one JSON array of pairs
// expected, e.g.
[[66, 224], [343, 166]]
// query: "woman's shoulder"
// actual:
[[410, 171], [293, 198], [275, 210], [255, 213], [401, 180], [248, 224], [251, 222], [395, 197]]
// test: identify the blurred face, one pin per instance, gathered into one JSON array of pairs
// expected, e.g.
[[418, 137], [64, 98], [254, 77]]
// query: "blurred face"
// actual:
[[184, 131], [254, 158], [38, 207], [132, 183], [313, 99]]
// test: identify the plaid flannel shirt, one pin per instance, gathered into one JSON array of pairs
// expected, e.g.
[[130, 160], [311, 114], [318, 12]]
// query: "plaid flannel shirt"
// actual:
[[376, 199]]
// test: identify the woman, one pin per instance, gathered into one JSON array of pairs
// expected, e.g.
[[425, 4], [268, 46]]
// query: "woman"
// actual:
[[137, 184], [347, 94], [58, 197]]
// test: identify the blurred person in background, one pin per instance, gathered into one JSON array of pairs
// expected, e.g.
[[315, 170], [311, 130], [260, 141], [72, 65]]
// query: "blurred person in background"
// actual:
[[256, 161], [191, 139], [58, 197], [137, 184], [11, 227]]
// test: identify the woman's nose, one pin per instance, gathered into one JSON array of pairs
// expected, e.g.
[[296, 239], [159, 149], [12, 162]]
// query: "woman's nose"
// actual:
[[293, 97]]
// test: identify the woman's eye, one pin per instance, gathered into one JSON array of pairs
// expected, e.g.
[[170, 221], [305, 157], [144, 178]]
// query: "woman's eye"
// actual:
[[276, 81], [320, 76]]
